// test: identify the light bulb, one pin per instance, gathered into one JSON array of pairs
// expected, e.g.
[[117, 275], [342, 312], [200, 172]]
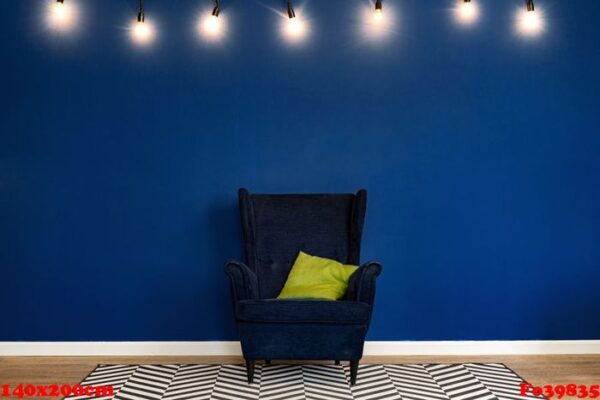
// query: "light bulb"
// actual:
[[61, 16], [466, 12], [378, 14], [376, 24], [530, 23], [211, 27], [378, 9], [142, 32], [294, 29]]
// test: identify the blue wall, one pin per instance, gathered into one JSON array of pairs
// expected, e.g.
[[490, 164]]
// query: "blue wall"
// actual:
[[480, 150]]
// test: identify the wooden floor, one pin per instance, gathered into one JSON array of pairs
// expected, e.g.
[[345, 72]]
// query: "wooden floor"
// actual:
[[538, 370]]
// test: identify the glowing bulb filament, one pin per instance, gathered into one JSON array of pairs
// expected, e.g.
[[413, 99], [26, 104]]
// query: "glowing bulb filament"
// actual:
[[466, 12], [142, 32], [530, 22], [61, 16], [211, 27]]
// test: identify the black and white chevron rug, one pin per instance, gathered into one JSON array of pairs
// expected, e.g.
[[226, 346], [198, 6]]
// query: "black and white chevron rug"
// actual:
[[309, 382]]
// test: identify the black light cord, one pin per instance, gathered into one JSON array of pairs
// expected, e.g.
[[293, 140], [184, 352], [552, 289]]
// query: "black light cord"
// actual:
[[141, 16], [217, 10]]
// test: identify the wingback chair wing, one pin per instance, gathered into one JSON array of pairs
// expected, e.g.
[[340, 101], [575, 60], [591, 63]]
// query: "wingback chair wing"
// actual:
[[276, 228]]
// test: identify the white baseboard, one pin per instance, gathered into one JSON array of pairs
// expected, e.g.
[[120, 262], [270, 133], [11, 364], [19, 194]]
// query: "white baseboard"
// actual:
[[516, 347], [470, 348]]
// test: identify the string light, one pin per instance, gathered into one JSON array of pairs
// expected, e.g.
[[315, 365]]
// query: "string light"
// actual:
[[294, 28], [466, 12], [378, 10], [142, 32], [376, 24], [211, 26], [529, 21], [61, 16]]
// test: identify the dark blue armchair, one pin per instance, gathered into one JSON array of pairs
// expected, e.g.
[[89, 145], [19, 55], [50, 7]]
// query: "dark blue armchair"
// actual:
[[276, 228]]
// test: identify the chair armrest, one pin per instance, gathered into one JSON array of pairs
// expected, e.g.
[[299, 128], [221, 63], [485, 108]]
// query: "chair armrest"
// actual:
[[362, 283], [244, 284]]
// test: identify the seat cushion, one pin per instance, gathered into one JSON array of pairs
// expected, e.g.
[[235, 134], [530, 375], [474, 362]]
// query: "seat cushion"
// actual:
[[303, 310]]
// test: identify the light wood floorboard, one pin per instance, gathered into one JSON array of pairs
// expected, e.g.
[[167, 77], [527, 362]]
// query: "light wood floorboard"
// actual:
[[539, 370]]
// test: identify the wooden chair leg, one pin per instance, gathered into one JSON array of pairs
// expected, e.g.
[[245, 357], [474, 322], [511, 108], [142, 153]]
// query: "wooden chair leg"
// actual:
[[353, 371], [337, 362], [250, 370]]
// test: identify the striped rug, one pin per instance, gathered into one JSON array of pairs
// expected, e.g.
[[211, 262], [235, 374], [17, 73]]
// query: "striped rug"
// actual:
[[472, 381]]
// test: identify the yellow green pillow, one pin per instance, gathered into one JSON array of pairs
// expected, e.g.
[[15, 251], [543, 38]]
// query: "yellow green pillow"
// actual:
[[315, 277]]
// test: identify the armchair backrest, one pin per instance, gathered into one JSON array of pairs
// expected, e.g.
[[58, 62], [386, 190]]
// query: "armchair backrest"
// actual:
[[278, 226]]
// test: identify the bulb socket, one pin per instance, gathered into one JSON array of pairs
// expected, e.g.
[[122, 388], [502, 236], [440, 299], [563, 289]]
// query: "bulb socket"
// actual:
[[290, 10], [530, 6], [141, 17], [378, 5], [217, 9]]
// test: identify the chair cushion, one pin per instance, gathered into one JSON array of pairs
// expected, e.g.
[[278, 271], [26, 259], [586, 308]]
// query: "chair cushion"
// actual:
[[303, 310], [317, 278]]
